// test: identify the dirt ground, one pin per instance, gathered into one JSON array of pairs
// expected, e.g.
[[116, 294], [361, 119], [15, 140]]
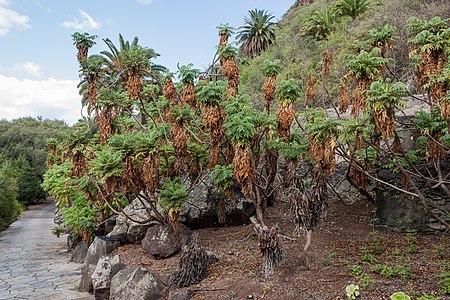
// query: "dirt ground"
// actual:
[[345, 249]]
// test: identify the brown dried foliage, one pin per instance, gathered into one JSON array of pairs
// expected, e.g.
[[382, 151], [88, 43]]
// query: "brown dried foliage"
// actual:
[[269, 91], [243, 167], [170, 92], [286, 115], [214, 156], [104, 122], [79, 164], [344, 99], [445, 109], [132, 176], [323, 152], [358, 100], [230, 69], [150, 174], [180, 138], [327, 61], [189, 95], [435, 151], [384, 121], [310, 91], [357, 176], [134, 84]]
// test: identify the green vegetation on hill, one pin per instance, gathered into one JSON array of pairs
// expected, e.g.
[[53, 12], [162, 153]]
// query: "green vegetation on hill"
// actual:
[[307, 32]]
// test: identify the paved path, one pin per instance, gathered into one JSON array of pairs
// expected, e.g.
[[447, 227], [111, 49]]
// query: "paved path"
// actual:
[[34, 264]]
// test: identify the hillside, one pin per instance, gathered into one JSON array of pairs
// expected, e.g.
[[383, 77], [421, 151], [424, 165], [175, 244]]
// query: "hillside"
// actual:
[[302, 53]]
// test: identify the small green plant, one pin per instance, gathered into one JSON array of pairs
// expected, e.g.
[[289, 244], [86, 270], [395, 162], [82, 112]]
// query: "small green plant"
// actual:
[[375, 245], [396, 253], [426, 297], [355, 270], [439, 251], [266, 288], [411, 238], [368, 257], [403, 272], [365, 281], [399, 296], [57, 230], [444, 282], [326, 261], [352, 291]]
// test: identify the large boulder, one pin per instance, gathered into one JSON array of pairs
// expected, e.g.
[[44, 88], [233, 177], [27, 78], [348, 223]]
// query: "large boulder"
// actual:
[[200, 211], [162, 241], [397, 210], [128, 229], [99, 247], [136, 283], [106, 268], [73, 239], [101, 279], [79, 253]]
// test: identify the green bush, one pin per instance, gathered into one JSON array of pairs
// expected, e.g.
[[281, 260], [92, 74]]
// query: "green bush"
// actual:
[[9, 206]]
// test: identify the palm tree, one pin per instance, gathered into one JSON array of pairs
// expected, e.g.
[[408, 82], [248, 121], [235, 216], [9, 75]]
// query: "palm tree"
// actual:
[[353, 8], [257, 33], [83, 41], [129, 63], [321, 23]]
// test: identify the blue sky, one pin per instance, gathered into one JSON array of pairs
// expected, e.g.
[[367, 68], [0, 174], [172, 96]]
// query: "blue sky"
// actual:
[[38, 66]]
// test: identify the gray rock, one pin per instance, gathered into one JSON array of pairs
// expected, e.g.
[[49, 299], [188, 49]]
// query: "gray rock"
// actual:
[[136, 283], [116, 265], [180, 295], [101, 278], [200, 211], [161, 241], [73, 239], [79, 253], [437, 226], [129, 230], [398, 210], [99, 247]]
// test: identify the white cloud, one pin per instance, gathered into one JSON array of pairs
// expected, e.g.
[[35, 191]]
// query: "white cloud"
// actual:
[[144, 1], [10, 19], [50, 98], [29, 68], [86, 22]]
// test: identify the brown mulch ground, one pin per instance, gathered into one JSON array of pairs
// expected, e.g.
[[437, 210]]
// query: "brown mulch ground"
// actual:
[[345, 249]]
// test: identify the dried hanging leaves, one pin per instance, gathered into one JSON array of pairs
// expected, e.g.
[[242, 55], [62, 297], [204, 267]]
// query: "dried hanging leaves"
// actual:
[[189, 95], [358, 99], [180, 139], [323, 152], [344, 99], [134, 84], [286, 115], [243, 167], [269, 91], [327, 61], [150, 174], [311, 92]]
